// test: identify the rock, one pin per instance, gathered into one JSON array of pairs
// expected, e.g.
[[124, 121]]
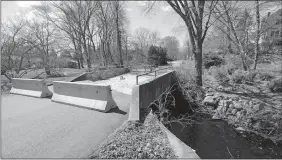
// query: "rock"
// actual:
[[276, 117], [234, 111], [229, 110], [221, 103], [235, 98], [224, 109], [243, 112], [259, 107], [210, 90], [238, 105], [216, 116], [209, 94], [231, 106], [209, 101], [249, 121], [251, 89], [219, 108], [220, 87], [257, 126], [240, 129], [239, 115], [228, 102]]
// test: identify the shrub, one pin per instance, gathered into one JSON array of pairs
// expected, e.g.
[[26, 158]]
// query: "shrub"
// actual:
[[220, 74], [241, 76], [186, 80], [264, 76], [212, 59], [157, 55], [275, 85]]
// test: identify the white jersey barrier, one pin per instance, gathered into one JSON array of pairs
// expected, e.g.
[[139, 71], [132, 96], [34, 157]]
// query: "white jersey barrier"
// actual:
[[96, 97], [30, 87]]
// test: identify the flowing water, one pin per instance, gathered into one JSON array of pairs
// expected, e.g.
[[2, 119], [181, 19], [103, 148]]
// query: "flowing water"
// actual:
[[216, 139]]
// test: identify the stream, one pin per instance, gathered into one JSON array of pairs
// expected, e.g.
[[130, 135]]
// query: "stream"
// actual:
[[216, 139]]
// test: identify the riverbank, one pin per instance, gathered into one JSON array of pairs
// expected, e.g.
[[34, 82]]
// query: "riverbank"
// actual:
[[136, 140]]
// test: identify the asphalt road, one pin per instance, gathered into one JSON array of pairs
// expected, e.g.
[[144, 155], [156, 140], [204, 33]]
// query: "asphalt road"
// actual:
[[40, 128]]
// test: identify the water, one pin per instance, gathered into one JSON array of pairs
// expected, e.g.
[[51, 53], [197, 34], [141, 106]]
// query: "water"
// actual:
[[216, 139]]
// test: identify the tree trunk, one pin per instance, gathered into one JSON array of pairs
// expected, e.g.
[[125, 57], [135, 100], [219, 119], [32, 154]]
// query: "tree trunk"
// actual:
[[20, 65], [47, 69], [257, 49], [118, 36], [198, 64], [109, 52], [78, 63], [126, 52]]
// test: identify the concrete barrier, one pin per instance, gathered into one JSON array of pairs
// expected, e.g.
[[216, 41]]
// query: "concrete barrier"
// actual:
[[96, 97], [30, 87], [147, 92], [181, 150]]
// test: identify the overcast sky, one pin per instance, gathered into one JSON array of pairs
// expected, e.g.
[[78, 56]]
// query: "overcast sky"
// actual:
[[162, 18]]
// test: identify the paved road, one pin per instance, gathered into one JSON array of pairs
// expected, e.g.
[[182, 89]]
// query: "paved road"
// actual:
[[39, 128]]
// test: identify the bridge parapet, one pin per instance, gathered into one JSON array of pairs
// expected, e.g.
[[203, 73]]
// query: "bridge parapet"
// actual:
[[147, 92]]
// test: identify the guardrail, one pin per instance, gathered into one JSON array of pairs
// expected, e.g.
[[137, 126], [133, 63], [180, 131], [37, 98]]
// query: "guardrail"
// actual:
[[155, 71]]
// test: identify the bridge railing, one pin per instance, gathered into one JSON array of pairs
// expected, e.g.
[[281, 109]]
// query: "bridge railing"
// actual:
[[153, 71]]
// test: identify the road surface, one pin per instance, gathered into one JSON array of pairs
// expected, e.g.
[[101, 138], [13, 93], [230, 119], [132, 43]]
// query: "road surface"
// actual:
[[40, 128]]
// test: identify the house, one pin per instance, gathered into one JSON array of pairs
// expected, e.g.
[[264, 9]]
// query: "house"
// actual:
[[271, 29]]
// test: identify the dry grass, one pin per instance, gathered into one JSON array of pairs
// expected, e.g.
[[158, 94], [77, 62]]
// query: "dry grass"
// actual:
[[135, 140]]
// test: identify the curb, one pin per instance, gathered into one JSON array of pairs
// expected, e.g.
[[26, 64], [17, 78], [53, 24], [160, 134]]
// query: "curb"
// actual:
[[180, 148]]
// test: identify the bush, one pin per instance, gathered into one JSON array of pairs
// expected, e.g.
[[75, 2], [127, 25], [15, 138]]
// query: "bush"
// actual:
[[264, 76], [241, 76], [186, 78], [220, 74], [157, 56], [212, 59], [275, 85]]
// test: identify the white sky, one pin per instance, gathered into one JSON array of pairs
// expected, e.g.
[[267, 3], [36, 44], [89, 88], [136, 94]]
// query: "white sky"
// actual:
[[162, 18]]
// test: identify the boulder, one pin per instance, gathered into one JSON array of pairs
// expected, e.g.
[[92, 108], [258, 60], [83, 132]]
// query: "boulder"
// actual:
[[238, 105], [209, 100], [239, 115], [228, 102], [234, 111], [259, 107], [216, 116], [209, 94], [240, 129], [231, 106], [229, 111]]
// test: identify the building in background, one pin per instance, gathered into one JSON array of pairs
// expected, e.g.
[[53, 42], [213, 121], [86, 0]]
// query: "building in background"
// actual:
[[271, 29]]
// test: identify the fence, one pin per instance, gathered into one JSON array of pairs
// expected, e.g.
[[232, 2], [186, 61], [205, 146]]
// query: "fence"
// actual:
[[153, 71]]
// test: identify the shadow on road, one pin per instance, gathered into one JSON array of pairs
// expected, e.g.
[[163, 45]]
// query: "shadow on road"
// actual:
[[117, 110]]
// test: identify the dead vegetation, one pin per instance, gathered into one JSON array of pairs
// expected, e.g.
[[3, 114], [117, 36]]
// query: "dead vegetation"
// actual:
[[135, 140]]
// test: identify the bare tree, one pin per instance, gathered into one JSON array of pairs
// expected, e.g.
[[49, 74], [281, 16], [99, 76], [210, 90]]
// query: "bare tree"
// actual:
[[11, 40], [172, 45], [197, 19], [117, 8], [257, 49], [41, 34]]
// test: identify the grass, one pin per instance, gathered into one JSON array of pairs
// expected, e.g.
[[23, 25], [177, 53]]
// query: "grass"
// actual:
[[257, 89], [136, 140]]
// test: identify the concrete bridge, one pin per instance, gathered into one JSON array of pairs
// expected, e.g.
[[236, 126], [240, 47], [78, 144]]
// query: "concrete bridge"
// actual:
[[39, 128]]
